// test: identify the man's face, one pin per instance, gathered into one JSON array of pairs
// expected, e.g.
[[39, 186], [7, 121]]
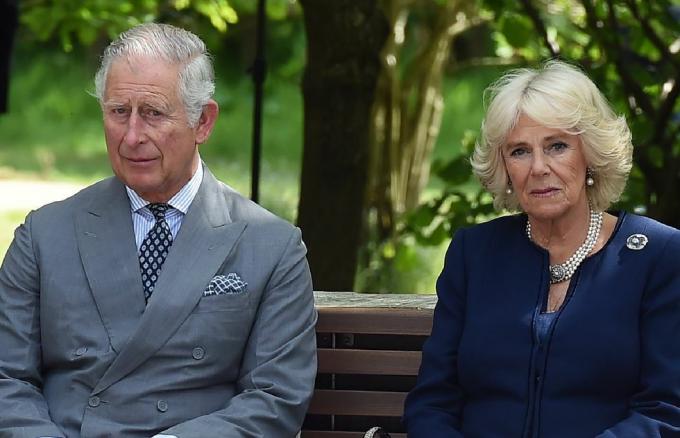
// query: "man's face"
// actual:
[[150, 144]]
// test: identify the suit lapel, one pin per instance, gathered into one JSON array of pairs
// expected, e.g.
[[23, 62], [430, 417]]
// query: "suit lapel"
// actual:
[[107, 250], [204, 241]]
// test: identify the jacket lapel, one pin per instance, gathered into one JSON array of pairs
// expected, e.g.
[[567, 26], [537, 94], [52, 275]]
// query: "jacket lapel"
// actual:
[[204, 241], [107, 250]]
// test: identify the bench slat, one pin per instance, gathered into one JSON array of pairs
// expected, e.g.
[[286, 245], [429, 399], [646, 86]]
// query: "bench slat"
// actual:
[[387, 321], [361, 403], [379, 362]]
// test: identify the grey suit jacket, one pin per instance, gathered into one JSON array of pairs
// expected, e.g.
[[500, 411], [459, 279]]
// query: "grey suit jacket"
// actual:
[[82, 356]]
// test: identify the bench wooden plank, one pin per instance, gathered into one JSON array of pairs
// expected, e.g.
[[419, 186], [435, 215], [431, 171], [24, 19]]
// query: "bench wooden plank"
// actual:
[[369, 348], [413, 322], [378, 362], [345, 402]]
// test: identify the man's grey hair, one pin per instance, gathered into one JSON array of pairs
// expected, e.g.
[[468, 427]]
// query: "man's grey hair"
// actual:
[[173, 45]]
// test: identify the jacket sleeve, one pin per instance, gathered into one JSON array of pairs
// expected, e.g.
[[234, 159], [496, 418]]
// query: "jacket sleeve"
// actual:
[[278, 369], [24, 410], [433, 408], [655, 409]]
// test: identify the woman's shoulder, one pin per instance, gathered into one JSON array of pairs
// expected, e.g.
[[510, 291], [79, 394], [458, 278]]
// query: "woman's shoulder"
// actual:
[[496, 233], [502, 224], [645, 225], [640, 232]]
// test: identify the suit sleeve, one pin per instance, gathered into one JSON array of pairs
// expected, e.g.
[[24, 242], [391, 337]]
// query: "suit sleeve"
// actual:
[[655, 409], [24, 411], [276, 380], [433, 408]]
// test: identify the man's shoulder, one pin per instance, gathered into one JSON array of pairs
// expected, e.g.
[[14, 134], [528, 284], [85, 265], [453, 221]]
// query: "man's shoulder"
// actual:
[[240, 208], [79, 199]]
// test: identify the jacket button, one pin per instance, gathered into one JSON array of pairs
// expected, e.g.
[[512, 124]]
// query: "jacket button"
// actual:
[[93, 401], [162, 405], [198, 353], [81, 350]]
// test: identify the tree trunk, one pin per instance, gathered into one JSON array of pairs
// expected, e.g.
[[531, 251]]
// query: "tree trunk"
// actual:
[[344, 39], [408, 108], [9, 16]]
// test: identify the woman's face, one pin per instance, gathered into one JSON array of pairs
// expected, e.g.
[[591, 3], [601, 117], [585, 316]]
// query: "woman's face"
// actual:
[[547, 169]]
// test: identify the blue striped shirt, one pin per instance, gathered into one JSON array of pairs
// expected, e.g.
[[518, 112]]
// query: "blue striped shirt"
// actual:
[[142, 218]]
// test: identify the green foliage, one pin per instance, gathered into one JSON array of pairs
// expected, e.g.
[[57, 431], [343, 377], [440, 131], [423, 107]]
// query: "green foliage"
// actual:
[[516, 29], [87, 20], [461, 203], [412, 268], [276, 9]]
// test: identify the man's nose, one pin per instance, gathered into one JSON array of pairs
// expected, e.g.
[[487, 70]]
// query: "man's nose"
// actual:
[[134, 134]]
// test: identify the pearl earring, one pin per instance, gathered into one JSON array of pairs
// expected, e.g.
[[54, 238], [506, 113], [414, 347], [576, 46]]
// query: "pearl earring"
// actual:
[[508, 190], [589, 177]]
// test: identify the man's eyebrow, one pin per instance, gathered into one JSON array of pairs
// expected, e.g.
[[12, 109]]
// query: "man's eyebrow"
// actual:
[[112, 103], [164, 106], [156, 104]]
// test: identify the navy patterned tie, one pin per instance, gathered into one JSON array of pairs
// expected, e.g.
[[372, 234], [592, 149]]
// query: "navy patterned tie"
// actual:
[[154, 248]]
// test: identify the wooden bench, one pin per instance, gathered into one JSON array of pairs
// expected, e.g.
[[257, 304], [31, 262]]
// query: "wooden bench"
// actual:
[[369, 354]]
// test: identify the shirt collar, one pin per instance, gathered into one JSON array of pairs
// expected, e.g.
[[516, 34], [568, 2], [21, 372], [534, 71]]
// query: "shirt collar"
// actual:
[[182, 199]]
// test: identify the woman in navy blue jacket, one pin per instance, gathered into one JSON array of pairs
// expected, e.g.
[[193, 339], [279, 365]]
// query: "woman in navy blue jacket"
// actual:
[[564, 320]]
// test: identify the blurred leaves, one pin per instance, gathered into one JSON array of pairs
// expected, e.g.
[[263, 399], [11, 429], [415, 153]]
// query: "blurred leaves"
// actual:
[[517, 29], [83, 21]]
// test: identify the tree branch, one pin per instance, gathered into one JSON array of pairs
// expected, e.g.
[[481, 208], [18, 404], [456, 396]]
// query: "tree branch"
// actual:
[[614, 48], [652, 35], [666, 110], [535, 17]]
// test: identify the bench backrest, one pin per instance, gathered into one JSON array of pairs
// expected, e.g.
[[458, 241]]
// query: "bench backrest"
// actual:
[[368, 361]]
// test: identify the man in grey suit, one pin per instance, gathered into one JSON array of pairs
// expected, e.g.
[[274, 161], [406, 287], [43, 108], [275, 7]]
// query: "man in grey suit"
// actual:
[[158, 302]]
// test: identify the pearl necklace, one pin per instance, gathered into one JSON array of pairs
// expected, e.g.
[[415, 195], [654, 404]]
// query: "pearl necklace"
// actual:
[[563, 271]]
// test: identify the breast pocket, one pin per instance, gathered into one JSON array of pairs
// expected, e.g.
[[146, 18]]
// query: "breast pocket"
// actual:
[[223, 303]]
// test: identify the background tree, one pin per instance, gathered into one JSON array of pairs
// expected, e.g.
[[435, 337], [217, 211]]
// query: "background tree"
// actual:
[[344, 39], [408, 106], [407, 116], [373, 107]]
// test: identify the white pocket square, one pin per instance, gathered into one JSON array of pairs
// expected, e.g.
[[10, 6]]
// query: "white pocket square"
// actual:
[[225, 284]]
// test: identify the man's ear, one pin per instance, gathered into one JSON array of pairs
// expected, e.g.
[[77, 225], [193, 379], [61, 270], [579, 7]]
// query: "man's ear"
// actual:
[[206, 122]]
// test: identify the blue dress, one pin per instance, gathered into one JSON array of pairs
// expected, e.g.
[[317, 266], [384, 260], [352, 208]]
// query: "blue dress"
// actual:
[[607, 365]]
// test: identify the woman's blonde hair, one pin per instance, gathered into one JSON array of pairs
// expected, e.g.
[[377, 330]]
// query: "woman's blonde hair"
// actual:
[[559, 96]]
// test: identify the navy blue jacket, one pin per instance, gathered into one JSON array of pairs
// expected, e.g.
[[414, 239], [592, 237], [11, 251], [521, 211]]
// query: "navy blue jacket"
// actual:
[[610, 368]]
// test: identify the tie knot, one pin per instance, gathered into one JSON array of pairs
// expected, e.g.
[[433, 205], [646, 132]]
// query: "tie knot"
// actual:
[[158, 210]]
